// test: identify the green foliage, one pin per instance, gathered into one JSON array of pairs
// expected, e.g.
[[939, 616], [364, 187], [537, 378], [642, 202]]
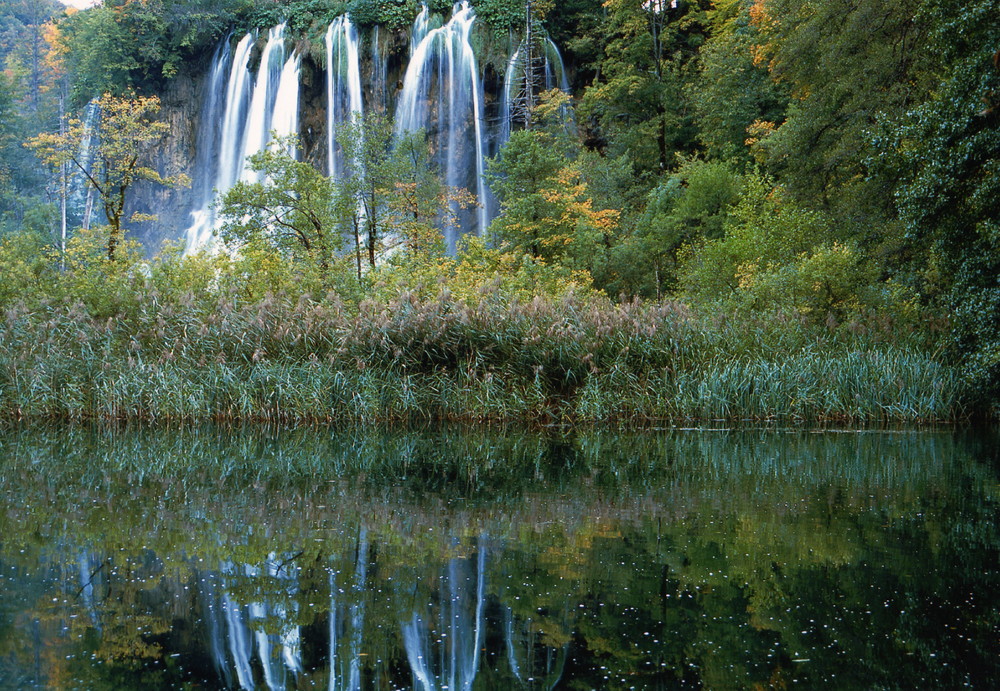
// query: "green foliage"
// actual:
[[147, 350], [23, 267], [637, 103], [421, 204], [289, 208], [127, 131], [484, 272], [732, 90], [8, 141], [501, 16], [775, 255], [690, 205], [847, 65], [945, 154], [546, 211], [106, 287], [139, 44], [577, 27], [393, 14], [31, 82], [301, 16], [365, 194]]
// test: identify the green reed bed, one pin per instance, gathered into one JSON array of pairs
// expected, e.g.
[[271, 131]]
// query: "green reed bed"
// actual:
[[408, 359]]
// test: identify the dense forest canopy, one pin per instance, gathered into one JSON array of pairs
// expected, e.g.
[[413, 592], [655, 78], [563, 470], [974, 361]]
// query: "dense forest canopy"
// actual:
[[832, 161]]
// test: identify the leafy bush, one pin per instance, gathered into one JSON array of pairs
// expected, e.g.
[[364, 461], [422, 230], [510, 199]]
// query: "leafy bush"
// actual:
[[394, 14], [776, 256]]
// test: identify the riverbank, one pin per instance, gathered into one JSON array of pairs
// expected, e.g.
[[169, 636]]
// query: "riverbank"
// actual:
[[565, 360]]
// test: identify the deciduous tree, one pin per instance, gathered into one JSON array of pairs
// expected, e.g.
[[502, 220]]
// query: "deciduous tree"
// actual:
[[291, 208], [126, 133]]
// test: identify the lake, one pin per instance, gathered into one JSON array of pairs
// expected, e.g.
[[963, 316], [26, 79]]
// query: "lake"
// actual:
[[456, 558]]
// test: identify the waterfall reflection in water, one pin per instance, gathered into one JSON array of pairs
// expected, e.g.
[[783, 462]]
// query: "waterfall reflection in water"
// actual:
[[234, 559]]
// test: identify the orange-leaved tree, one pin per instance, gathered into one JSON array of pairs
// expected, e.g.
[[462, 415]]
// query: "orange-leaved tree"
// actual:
[[117, 154]]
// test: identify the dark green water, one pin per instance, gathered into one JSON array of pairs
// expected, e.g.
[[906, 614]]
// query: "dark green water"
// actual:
[[298, 559]]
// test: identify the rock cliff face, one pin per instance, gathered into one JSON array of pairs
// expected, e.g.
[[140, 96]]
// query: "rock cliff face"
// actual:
[[181, 106]]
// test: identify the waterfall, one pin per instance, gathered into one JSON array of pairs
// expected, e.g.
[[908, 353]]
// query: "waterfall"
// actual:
[[264, 100], [207, 164], [440, 92], [226, 154], [285, 117], [555, 70], [507, 98], [443, 95], [553, 77], [421, 25], [81, 197], [252, 110], [343, 86], [380, 68]]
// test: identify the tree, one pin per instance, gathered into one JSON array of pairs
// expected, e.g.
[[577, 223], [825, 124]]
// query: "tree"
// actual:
[[637, 100], [365, 194], [291, 209], [945, 153], [731, 89], [849, 65], [126, 132], [545, 209], [775, 255], [689, 206], [28, 72], [120, 45], [422, 205]]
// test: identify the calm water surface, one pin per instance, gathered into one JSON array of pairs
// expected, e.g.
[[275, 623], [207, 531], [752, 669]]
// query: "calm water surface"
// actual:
[[213, 558]]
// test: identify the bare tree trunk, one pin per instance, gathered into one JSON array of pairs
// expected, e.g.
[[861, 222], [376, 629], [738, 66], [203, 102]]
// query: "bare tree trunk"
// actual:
[[62, 185], [529, 66]]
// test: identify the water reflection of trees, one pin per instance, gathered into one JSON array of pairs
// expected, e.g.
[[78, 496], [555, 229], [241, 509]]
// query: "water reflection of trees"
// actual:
[[503, 561]]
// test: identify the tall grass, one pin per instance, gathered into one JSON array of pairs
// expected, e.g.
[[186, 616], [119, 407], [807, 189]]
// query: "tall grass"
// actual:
[[567, 360]]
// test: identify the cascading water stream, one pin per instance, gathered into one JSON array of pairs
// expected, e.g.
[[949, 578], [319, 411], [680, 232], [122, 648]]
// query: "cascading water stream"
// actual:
[[206, 161], [227, 154], [343, 87], [285, 116], [443, 94], [253, 110], [553, 76], [421, 25], [262, 104], [380, 69], [223, 151], [81, 196], [238, 93]]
